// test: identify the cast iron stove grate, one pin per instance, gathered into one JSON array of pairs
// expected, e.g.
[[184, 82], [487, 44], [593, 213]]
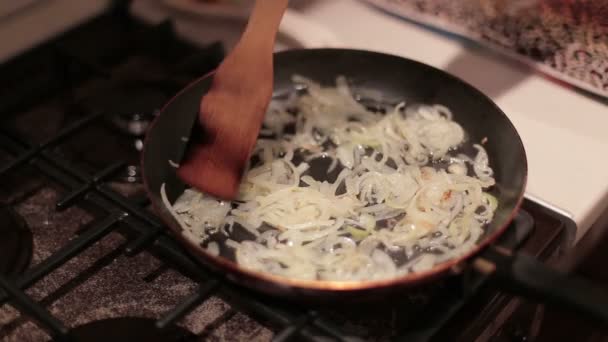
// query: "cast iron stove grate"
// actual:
[[54, 129]]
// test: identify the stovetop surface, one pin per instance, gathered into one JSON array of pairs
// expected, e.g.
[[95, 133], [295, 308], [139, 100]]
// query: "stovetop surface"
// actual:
[[73, 117]]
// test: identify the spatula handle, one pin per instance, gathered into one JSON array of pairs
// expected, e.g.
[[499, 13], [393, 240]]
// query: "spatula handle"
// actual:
[[523, 274], [264, 23]]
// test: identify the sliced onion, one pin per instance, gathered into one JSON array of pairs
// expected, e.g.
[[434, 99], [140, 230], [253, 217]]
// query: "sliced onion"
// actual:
[[386, 199]]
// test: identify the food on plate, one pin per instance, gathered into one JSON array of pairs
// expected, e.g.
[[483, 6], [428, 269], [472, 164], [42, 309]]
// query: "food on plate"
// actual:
[[345, 188]]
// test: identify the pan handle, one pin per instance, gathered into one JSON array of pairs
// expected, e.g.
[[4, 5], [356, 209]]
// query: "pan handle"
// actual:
[[524, 275]]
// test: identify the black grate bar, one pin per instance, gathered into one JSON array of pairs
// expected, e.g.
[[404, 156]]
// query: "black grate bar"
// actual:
[[31, 153], [19, 160], [64, 166], [173, 252], [332, 331], [236, 295], [71, 249], [291, 330], [71, 197], [26, 305], [16, 147], [103, 190], [110, 194], [57, 168], [277, 315], [125, 204], [137, 245], [203, 293], [228, 291]]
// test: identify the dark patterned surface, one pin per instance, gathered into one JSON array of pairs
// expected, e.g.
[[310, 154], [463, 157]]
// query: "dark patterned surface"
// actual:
[[103, 283], [565, 38]]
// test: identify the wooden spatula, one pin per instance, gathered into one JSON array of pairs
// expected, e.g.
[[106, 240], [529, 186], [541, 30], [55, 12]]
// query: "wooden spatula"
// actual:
[[232, 112]]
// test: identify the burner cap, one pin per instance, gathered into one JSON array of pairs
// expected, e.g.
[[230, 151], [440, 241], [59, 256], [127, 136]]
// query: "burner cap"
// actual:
[[15, 242], [132, 99], [128, 329], [132, 109]]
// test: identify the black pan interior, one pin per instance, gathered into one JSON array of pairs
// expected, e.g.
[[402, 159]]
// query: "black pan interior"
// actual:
[[394, 77]]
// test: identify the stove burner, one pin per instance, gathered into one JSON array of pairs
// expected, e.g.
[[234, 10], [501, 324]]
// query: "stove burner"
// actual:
[[128, 329], [15, 242], [134, 108], [131, 108]]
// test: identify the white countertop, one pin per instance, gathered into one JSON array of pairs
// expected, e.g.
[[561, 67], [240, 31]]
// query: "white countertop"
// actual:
[[565, 133]]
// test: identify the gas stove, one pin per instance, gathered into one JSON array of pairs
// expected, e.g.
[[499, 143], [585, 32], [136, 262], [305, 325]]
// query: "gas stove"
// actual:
[[84, 258]]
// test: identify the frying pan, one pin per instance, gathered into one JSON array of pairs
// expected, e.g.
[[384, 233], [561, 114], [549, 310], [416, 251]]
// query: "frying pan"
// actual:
[[396, 78]]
